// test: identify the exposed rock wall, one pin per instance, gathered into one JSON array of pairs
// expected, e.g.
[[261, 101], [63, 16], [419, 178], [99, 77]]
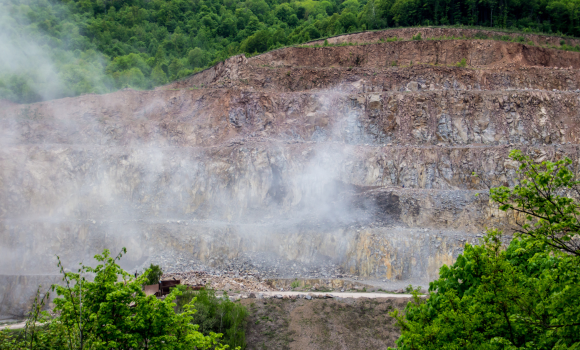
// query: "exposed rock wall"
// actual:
[[17, 293], [226, 69], [477, 53], [290, 157]]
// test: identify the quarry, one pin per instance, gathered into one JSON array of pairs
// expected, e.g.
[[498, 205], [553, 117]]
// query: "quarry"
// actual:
[[364, 160]]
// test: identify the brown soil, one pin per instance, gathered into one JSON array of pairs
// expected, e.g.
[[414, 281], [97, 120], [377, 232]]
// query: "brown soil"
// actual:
[[321, 323], [431, 33]]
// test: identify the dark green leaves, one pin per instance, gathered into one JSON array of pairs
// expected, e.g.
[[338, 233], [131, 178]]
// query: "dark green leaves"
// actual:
[[543, 202], [525, 296]]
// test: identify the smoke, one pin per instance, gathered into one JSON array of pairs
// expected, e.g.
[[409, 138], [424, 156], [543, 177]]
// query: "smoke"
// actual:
[[25, 66], [91, 173], [40, 63], [133, 169]]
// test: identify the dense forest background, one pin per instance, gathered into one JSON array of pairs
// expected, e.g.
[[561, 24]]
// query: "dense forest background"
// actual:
[[52, 49]]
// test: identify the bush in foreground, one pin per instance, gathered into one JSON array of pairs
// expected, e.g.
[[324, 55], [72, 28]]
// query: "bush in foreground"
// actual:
[[114, 314], [524, 297], [216, 314]]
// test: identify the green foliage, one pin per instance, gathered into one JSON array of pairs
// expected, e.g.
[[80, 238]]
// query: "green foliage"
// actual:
[[544, 200], [114, 314], [462, 63], [295, 284], [218, 315], [417, 36], [522, 297], [55, 48], [154, 274]]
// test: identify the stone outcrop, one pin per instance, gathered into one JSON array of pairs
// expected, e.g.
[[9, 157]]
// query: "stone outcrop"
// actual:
[[17, 293]]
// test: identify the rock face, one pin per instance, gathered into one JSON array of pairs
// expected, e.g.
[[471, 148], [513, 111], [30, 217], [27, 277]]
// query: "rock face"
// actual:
[[304, 156], [17, 292]]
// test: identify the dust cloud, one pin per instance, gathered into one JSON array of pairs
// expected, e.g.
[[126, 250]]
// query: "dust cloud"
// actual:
[[73, 185]]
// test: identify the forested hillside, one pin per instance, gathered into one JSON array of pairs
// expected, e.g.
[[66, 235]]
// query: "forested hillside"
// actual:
[[51, 49]]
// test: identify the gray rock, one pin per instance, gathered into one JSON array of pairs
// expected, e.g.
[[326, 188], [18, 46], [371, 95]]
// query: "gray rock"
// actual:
[[413, 86]]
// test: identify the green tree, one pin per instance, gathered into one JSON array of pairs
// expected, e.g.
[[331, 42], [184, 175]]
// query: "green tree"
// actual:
[[154, 274], [259, 7], [197, 57], [350, 5], [522, 297], [405, 12], [218, 315], [256, 43], [158, 76], [347, 20], [112, 312], [283, 12]]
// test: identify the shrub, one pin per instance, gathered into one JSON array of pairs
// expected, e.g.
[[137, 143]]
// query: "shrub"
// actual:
[[417, 36], [154, 274], [216, 314], [115, 314], [462, 63]]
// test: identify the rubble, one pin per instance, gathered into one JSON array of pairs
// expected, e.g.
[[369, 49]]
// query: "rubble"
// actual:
[[224, 282], [261, 266]]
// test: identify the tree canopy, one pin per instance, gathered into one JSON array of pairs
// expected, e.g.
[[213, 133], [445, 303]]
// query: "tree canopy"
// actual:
[[525, 296], [56, 48]]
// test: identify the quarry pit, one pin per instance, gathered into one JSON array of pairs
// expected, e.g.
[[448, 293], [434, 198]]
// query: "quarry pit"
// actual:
[[333, 162]]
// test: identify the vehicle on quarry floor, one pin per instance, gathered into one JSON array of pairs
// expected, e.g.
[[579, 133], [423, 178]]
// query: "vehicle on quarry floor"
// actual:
[[160, 289]]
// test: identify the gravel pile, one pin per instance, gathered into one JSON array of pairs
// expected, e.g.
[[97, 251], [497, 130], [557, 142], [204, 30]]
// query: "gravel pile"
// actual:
[[250, 264], [225, 282]]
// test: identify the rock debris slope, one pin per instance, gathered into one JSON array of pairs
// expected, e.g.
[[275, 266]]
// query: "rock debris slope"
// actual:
[[302, 162]]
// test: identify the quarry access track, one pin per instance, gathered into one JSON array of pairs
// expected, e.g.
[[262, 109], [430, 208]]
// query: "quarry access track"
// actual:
[[304, 162]]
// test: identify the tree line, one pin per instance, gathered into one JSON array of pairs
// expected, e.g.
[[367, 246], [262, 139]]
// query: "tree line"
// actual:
[[57, 48]]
